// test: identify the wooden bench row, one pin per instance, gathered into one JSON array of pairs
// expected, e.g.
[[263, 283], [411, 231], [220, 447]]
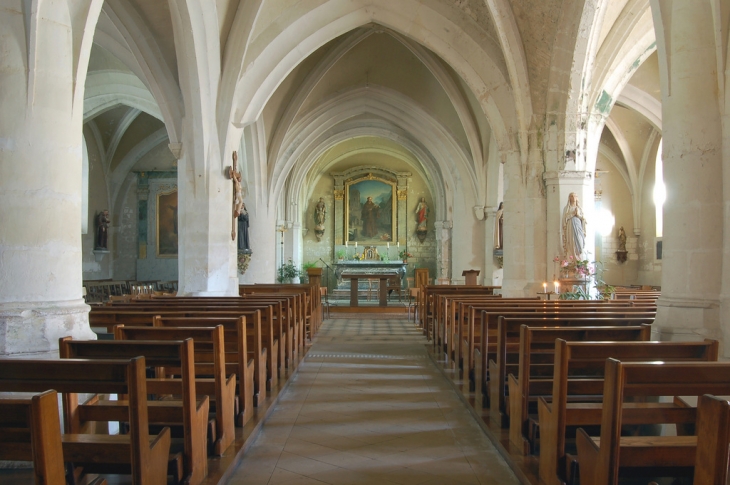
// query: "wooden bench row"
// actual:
[[212, 361]]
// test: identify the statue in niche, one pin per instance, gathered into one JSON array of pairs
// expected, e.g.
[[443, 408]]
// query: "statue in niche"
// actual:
[[574, 228], [422, 219], [320, 214], [102, 230], [243, 243], [498, 225]]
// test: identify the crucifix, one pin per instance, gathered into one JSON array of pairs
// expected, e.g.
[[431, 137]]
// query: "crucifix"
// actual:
[[233, 174]]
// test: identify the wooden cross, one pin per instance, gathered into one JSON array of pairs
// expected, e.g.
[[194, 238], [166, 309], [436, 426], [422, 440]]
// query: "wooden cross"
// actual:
[[233, 174]]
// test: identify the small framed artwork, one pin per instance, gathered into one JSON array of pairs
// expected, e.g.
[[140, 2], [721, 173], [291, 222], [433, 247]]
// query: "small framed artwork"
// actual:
[[167, 224]]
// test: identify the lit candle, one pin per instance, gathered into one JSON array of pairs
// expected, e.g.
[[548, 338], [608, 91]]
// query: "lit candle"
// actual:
[[557, 287], [544, 287]]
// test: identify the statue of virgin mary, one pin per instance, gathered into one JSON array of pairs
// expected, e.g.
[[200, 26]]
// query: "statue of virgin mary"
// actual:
[[574, 228]]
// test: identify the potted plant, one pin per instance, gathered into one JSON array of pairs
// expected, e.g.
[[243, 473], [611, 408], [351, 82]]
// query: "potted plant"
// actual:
[[340, 254], [404, 255], [312, 272], [287, 272]]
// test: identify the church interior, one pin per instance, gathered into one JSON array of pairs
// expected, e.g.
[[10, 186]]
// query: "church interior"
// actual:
[[195, 148]]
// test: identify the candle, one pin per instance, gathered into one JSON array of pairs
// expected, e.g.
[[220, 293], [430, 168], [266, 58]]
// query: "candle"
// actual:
[[398, 243], [355, 244], [388, 245], [544, 287], [346, 243], [557, 287]]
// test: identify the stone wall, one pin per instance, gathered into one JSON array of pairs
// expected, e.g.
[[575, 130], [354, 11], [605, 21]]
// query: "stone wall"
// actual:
[[150, 266]]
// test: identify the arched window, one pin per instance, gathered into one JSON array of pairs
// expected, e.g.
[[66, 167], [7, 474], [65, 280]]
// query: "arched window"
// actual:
[[660, 192]]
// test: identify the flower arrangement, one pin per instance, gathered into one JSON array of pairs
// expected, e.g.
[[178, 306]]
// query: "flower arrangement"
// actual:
[[571, 266], [359, 256], [404, 255]]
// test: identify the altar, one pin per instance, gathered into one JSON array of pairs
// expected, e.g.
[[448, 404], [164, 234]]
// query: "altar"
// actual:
[[370, 267], [360, 273]]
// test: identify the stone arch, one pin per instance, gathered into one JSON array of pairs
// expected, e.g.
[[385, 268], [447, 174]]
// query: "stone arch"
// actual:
[[108, 89], [158, 76], [481, 72], [445, 159]]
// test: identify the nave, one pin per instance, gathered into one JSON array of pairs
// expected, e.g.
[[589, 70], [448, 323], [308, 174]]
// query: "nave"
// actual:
[[367, 405]]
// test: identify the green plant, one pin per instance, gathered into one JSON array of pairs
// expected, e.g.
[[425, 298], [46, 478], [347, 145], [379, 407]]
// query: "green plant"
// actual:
[[309, 265], [287, 271], [340, 254]]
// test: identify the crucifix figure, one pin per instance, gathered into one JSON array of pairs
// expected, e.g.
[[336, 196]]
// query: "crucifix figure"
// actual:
[[233, 174]]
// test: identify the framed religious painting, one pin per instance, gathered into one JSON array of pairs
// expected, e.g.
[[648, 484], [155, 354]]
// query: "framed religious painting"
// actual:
[[167, 224], [370, 209]]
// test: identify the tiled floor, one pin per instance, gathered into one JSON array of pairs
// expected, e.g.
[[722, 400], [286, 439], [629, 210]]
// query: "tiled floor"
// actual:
[[368, 406]]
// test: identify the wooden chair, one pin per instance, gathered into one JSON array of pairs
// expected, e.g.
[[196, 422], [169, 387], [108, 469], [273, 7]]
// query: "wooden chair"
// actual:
[[395, 285]]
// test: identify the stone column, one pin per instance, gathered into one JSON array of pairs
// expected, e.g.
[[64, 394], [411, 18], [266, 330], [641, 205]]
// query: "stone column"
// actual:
[[40, 179], [338, 212], [693, 174]]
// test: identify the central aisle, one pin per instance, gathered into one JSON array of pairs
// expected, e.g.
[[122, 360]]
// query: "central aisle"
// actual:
[[368, 406]]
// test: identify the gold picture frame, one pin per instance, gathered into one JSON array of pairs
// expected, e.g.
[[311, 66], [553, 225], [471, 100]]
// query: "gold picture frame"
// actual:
[[166, 221], [370, 221]]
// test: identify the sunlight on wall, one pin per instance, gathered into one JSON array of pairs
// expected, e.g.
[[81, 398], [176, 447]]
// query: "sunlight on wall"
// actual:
[[660, 192], [605, 222]]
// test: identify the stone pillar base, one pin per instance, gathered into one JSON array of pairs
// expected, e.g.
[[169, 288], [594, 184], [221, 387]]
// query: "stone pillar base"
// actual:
[[688, 319], [32, 330]]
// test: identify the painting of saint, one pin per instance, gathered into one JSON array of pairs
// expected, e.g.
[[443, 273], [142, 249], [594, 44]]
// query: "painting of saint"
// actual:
[[370, 211], [167, 224]]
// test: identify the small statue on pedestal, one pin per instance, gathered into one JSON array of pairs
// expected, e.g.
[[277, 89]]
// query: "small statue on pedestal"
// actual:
[[320, 214], [102, 230]]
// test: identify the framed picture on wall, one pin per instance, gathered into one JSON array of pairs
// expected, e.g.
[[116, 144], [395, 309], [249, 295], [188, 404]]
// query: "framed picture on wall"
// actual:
[[167, 224], [370, 210]]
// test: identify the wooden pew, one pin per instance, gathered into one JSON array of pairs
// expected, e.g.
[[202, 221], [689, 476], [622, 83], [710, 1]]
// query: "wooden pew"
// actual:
[[209, 349], [507, 348], [248, 365], [486, 348], [145, 456], [189, 412], [30, 430], [259, 333], [311, 303], [535, 369], [713, 440], [280, 338], [571, 392], [427, 302], [604, 459], [468, 330]]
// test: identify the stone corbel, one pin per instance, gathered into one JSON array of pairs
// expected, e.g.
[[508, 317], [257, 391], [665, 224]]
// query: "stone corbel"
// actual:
[[480, 212], [176, 149]]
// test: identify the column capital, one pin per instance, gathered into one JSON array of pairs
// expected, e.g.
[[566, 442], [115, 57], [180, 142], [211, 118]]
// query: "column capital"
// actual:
[[554, 177]]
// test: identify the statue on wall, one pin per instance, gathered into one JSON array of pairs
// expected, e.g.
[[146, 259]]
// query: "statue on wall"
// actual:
[[320, 214], [574, 228], [621, 239], [422, 219], [498, 225], [102, 230], [243, 243]]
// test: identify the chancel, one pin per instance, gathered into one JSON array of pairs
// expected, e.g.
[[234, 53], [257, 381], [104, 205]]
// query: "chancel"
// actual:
[[268, 163]]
